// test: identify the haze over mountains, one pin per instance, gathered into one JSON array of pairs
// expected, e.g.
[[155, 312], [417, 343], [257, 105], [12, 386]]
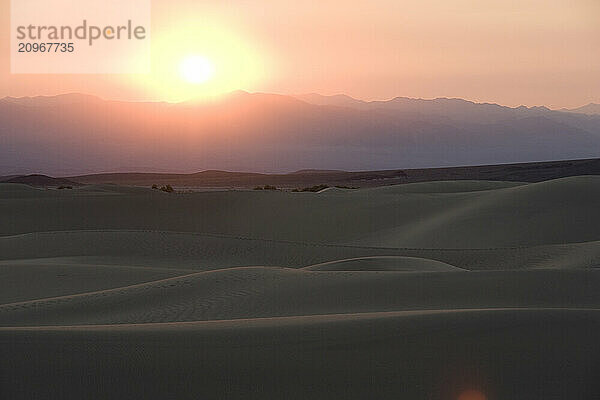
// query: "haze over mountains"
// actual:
[[591, 108], [77, 134]]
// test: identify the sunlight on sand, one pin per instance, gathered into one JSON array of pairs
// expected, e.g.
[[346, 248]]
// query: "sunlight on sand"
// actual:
[[471, 394]]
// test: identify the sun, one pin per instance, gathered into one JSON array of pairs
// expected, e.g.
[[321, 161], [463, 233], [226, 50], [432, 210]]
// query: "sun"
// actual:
[[191, 61], [196, 69]]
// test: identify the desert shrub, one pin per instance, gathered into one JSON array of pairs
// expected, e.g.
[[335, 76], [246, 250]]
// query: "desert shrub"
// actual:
[[65, 187], [168, 189], [155, 187], [266, 187]]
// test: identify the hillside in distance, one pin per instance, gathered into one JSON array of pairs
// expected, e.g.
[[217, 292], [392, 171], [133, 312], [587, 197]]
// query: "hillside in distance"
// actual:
[[524, 172], [78, 134], [38, 180]]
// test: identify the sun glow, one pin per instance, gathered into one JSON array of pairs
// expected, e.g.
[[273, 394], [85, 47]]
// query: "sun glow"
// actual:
[[196, 69], [193, 61], [471, 395]]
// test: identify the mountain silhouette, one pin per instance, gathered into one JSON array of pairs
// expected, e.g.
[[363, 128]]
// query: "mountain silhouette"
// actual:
[[260, 132]]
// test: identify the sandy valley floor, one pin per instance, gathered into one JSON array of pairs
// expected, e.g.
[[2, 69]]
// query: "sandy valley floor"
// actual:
[[416, 291]]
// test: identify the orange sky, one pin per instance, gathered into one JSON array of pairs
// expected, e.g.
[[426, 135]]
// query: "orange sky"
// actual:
[[532, 52]]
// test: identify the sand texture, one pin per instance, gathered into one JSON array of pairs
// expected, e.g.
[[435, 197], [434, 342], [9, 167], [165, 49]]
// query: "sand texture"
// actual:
[[415, 291]]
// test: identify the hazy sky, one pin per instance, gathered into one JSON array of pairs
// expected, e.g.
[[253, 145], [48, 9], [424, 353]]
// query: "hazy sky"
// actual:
[[530, 52]]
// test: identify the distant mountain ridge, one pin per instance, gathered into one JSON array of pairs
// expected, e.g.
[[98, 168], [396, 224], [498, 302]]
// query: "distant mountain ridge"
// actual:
[[73, 134], [441, 106], [591, 108]]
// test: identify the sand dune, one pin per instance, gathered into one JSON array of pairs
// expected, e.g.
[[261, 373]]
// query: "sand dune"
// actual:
[[40, 278], [443, 187], [417, 291], [506, 354], [209, 252], [173, 249], [553, 212], [258, 292], [384, 263], [19, 191]]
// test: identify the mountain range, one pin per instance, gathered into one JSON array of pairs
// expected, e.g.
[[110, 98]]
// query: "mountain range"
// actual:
[[77, 134]]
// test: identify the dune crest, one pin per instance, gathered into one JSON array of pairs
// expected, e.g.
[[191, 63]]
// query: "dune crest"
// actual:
[[410, 291]]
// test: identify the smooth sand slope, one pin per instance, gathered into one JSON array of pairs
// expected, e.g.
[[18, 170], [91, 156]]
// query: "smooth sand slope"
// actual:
[[419, 291], [507, 354], [384, 263], [259, 292], [553, 212]]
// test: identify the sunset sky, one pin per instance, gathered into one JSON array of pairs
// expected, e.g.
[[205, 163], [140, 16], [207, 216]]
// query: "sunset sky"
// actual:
[[533, 52]]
